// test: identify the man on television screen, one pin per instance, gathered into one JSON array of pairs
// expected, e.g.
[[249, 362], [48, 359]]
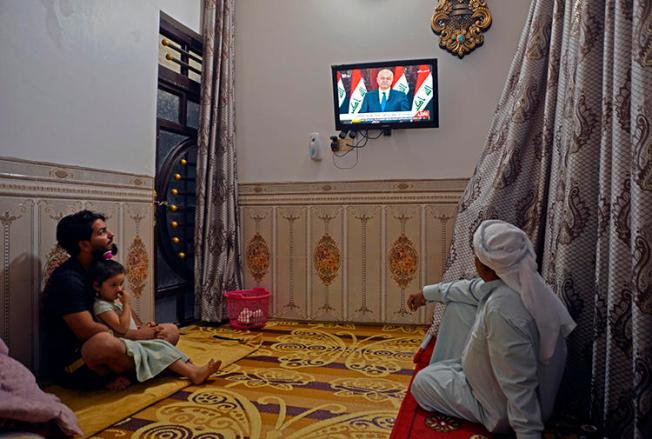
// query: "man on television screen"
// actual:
[[384, 99]]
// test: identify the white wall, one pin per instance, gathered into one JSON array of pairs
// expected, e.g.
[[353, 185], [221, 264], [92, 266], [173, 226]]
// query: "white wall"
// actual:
[[284, 50], [78, 80]]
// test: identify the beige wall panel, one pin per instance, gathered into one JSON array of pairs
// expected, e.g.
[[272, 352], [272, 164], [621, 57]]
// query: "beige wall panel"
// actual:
[[17, 277], [364, 289], [364, 263], [291, 263], [440, 221], [257, 251], [403, 251], [439, 224], [136, 251], [326, 256], [38, 195]]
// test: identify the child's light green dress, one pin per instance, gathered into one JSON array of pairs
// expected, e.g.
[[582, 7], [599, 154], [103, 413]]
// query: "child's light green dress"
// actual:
[[151, 357]]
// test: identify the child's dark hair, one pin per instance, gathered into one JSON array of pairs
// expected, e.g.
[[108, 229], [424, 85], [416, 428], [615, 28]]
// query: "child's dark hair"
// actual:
[[105, 269]]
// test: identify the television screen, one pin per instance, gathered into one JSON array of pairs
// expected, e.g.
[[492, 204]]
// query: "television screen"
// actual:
[[390, 94]]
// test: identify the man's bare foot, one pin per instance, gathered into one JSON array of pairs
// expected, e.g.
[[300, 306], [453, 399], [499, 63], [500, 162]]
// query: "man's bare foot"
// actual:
[[118, 383], [203, 372]]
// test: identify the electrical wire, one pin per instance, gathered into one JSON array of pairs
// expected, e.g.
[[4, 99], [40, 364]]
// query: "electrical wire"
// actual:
[[358, 142], [357, 157]]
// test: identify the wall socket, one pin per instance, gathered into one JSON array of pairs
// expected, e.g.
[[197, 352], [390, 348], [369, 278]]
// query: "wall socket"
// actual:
[[340, 145]]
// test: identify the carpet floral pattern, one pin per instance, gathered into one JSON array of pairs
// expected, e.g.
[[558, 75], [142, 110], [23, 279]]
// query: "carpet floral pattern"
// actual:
[[308, 380]]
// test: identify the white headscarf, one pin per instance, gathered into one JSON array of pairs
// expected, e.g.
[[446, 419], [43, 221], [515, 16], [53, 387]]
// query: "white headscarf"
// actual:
[[507, 250]]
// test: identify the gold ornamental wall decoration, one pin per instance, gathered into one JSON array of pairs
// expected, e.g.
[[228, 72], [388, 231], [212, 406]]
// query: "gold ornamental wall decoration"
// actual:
[[403, 262], [258, 257], [137, 261], [461, 24], [258, 253], [327, 259], [137, 266]]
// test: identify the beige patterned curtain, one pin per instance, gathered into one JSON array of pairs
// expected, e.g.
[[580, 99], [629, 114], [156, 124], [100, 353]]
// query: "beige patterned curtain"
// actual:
[[569, 159], [217, 258]]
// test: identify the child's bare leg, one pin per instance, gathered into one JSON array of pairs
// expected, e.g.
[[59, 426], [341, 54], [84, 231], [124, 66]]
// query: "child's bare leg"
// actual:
[[197, 374]]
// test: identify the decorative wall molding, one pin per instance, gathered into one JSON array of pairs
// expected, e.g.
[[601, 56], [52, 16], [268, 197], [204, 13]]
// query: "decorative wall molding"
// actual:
[[453, 185], [34, 196], [45, 180], [44, 171], [352, 192], [347, 251]]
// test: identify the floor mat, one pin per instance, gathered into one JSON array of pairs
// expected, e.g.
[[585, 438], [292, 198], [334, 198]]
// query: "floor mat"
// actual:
[[413, 422], [100, 409], [307, 380]]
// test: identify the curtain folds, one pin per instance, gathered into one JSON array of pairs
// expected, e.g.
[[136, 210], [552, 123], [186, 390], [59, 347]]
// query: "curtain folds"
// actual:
[[569, 160], [217, 258]]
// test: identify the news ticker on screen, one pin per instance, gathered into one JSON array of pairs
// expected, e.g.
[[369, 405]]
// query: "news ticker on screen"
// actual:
[[385, 116]]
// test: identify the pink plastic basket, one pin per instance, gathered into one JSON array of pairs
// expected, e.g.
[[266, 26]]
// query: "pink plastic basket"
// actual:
[[248, 309]]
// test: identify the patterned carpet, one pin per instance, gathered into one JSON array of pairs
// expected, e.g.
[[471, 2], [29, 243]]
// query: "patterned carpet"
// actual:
[[307, 381], [98, 409]]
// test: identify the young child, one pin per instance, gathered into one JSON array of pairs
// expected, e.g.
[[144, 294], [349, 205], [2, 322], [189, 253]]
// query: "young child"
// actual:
[[153, 356]]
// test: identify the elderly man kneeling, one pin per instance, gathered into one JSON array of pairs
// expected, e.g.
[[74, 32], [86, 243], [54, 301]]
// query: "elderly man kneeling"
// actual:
[[501, 348]]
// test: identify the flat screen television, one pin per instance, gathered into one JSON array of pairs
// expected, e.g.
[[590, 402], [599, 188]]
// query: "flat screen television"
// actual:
[[388, 94]]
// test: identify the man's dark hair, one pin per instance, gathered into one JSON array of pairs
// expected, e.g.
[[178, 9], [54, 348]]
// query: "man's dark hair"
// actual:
[[75, 228], [104, 269]]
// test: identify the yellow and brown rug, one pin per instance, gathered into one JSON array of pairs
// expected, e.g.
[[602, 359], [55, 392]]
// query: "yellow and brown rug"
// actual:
[[97, 410], [307, 380]]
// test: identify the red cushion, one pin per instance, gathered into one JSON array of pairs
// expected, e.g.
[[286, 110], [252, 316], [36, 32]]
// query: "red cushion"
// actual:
[[413, 422]]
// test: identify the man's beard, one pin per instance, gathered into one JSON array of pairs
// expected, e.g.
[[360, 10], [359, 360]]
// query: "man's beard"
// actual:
[[101, 254]]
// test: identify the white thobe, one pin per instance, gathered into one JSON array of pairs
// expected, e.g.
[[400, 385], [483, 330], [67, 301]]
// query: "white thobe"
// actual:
[[485, 366]]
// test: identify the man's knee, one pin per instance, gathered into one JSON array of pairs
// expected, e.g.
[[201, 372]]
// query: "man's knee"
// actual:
[[170, 333], [102, 349], [419, 389]]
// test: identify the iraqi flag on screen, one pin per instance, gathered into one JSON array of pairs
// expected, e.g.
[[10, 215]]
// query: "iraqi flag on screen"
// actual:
[[341, 91], [423, 90], [358, 90], [400, 81]]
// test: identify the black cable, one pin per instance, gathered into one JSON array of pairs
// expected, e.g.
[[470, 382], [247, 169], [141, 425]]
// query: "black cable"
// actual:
[[359, 141], [357, 157]]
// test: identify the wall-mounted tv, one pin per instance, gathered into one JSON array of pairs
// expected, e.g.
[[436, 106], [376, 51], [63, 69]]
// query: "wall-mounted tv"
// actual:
[[388, 94]]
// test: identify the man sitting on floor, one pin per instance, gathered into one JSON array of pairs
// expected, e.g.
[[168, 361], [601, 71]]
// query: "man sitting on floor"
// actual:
[[501, 348], [81, 351]]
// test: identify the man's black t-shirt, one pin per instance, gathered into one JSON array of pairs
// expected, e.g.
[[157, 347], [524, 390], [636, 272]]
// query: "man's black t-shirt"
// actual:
[[68, 291]]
